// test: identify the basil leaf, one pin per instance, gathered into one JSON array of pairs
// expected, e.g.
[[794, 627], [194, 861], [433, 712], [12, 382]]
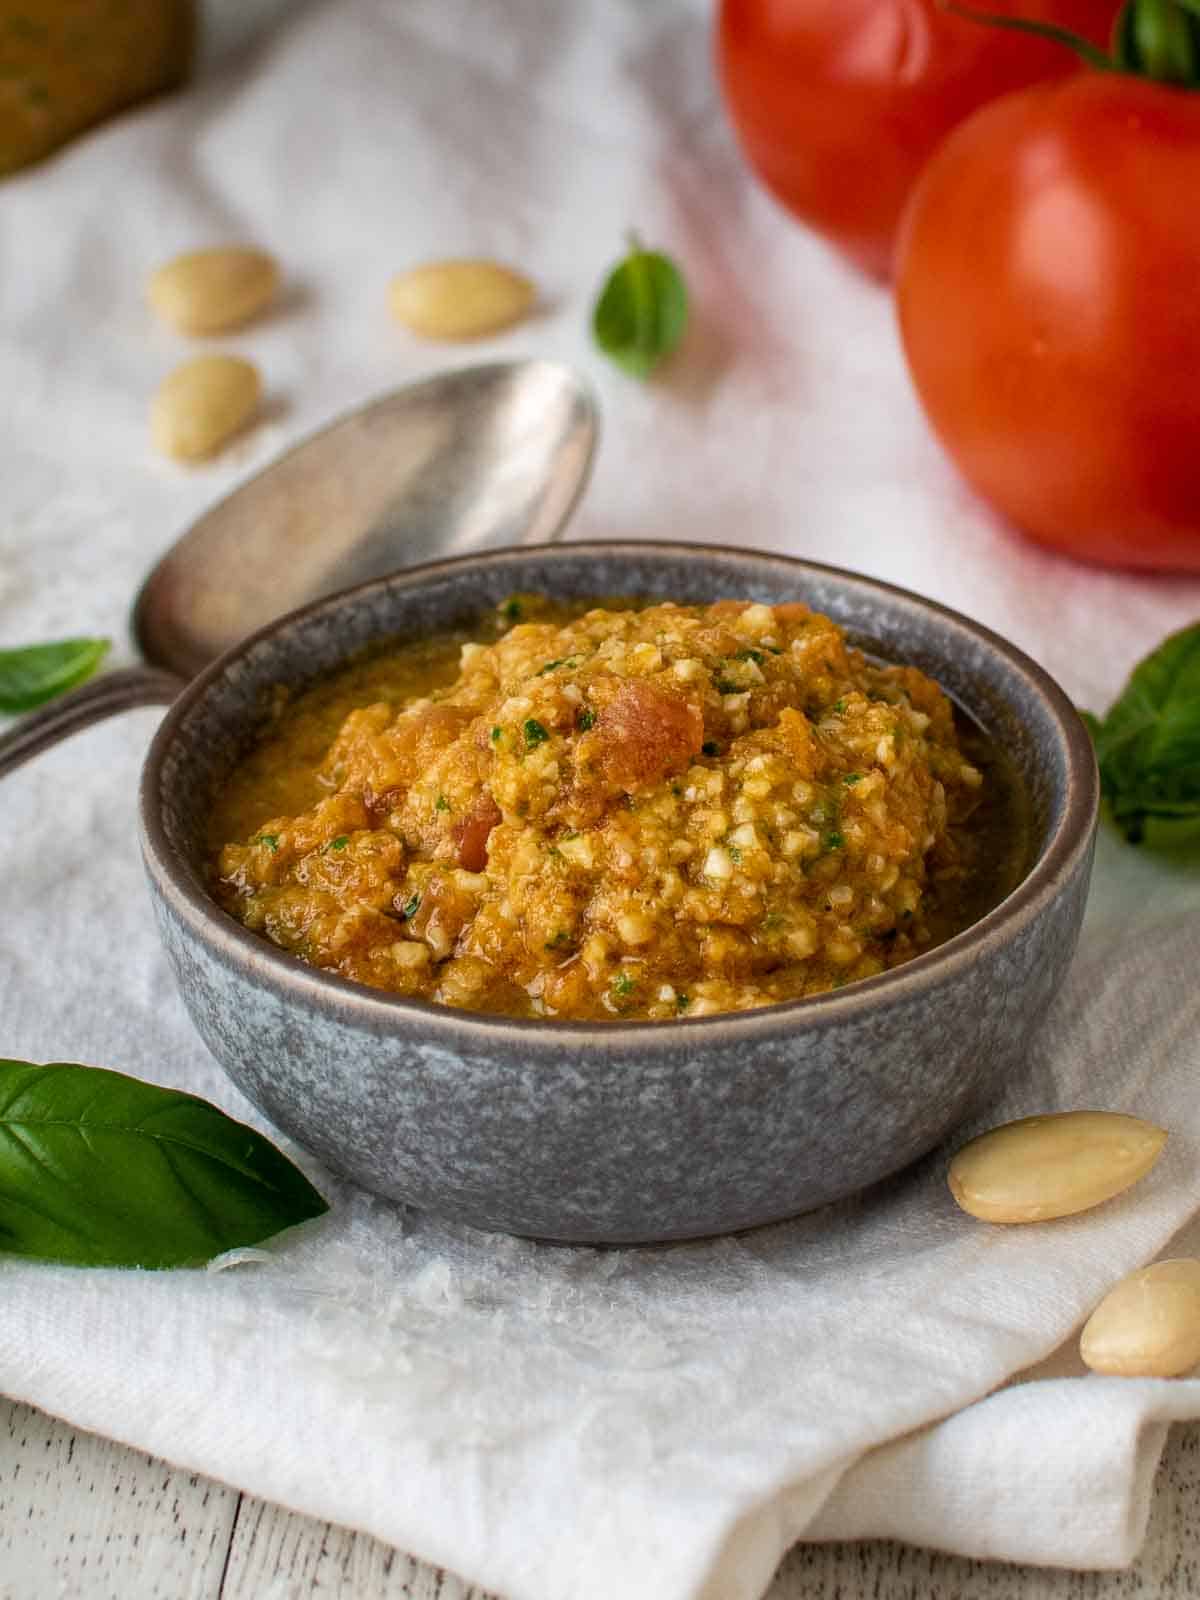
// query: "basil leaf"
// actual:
[[99, 1169], [642, 311], [37, 672], [1148, 746]]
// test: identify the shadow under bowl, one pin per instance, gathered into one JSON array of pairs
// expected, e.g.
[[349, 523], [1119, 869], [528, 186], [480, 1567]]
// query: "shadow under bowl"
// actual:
[[623, 1132]]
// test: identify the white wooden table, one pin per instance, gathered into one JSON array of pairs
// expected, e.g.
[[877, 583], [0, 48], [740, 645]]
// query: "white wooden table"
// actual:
[[84, 1519]]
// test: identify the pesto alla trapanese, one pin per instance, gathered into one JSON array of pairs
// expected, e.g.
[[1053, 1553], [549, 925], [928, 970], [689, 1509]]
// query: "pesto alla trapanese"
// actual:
[[629, 812]]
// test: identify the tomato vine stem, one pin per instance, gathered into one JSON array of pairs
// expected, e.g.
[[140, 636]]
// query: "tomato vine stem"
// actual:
[[1155, 39]]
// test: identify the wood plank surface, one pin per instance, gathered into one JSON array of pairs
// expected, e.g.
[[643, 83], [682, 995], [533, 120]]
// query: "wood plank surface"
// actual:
[[82, 1518]]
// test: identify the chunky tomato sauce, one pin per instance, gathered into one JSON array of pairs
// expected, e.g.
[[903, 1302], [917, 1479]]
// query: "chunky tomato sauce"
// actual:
[[634, 812]]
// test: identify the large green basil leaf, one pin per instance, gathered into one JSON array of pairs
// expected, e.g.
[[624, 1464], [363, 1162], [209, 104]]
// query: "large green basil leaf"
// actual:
[[100, 1169], [1148, 746]]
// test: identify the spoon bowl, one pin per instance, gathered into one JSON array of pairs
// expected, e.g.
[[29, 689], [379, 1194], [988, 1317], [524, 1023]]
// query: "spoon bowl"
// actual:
[[468, 460], [474, 459]]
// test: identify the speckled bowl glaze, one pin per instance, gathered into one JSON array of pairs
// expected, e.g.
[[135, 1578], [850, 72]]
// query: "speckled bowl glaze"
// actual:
[[623, 1132]]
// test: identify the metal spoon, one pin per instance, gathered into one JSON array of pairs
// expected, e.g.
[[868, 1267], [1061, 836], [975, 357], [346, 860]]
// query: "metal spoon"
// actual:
[[468, 460]]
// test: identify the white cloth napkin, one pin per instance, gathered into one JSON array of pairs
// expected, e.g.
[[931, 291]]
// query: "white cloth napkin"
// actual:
[[558, 1424]]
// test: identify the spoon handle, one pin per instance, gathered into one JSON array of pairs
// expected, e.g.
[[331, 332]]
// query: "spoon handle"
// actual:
[[103, 697]]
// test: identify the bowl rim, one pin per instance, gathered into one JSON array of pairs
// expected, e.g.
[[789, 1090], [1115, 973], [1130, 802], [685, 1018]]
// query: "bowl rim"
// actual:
[[1068, 843]]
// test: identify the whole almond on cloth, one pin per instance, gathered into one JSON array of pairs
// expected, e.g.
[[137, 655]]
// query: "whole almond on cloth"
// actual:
[[463, 299], [203, 403], [1039, 1168], [209, 291], [1148, 1325]]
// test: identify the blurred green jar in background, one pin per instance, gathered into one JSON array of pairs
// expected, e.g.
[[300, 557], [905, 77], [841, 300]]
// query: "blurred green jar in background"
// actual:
[[65, 64]]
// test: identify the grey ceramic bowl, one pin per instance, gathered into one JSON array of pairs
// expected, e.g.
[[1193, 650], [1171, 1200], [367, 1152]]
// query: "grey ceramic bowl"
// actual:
[[623, 1132]]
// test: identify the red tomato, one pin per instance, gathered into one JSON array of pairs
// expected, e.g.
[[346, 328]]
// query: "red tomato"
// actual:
[[1048, 290], [838, 104]]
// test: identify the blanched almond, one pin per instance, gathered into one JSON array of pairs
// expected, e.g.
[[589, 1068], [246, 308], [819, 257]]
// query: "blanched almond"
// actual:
[[1148, 1326], [208, 291], [202, 404], [466, 299], [1052, 1166]]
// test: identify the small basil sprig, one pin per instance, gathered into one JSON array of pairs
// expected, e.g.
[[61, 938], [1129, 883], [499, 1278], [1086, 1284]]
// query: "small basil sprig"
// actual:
[[642, 310], [101, 1170], [35, 673], [1148, 746]]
